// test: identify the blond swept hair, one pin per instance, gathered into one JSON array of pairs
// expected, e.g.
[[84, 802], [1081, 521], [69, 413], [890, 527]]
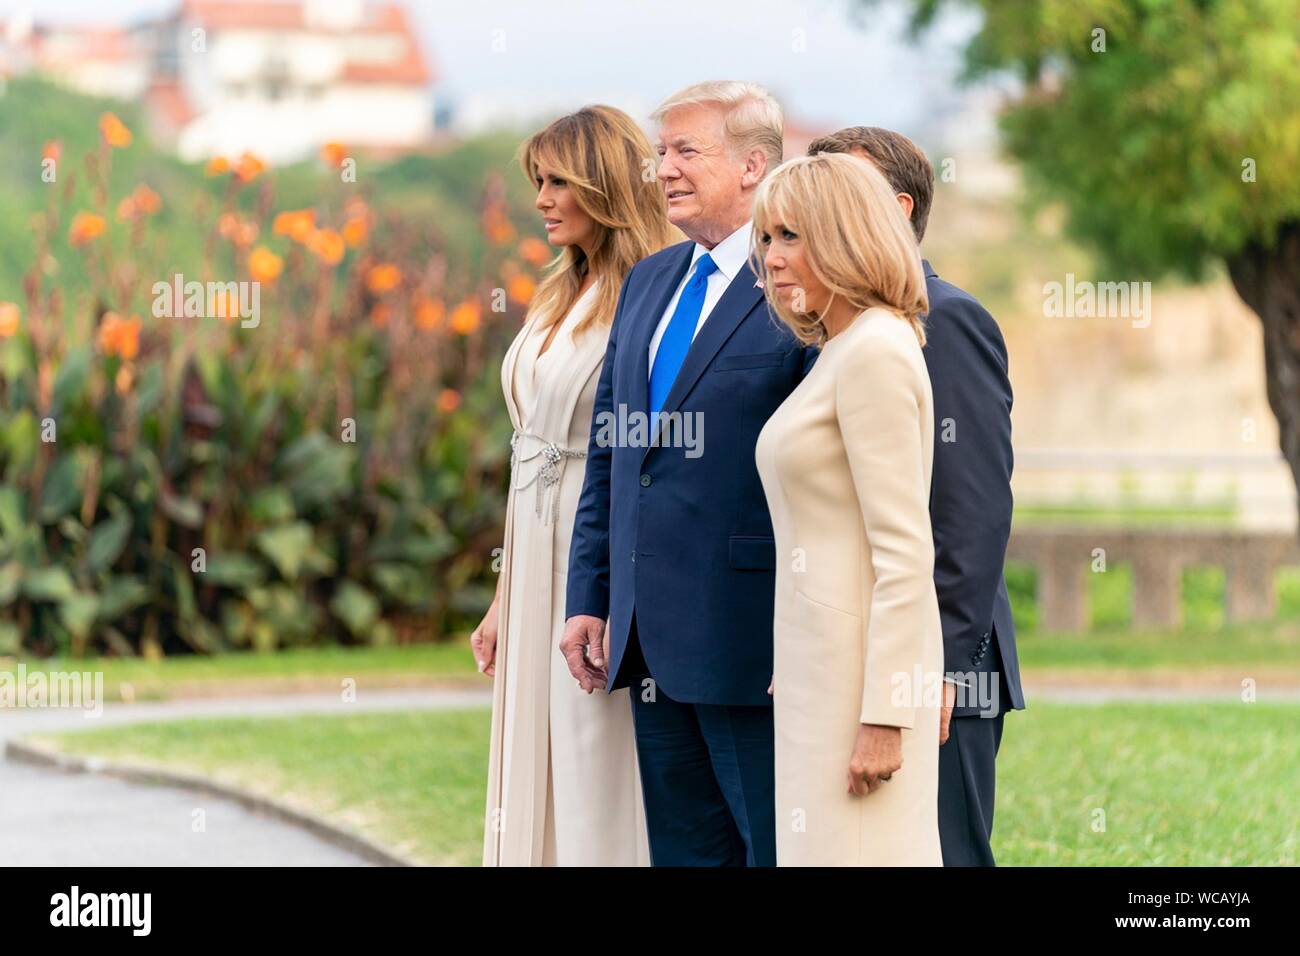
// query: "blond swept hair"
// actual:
[[602, 155], [753, 118], [856, 239]]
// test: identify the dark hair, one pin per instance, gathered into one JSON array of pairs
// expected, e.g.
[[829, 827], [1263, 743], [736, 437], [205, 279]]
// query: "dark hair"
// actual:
[[901, 160]]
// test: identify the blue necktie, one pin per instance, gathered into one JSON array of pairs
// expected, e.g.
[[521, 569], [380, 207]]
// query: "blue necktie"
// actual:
[[680, 333]]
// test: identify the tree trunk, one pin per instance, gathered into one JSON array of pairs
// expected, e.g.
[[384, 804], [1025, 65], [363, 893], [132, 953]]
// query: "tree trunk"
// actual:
[[1268, 280]]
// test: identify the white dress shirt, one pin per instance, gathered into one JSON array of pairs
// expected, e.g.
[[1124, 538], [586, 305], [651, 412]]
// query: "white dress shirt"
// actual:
[[729, 256]]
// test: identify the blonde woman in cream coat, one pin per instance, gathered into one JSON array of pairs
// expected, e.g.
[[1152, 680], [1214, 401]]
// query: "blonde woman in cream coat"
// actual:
[[845, 464]]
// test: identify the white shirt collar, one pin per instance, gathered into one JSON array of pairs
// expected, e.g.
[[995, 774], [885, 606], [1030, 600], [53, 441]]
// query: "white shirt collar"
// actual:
[[730, 254]]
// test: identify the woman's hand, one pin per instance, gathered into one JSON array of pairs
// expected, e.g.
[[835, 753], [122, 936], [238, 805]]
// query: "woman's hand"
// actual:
[[484, 641], [877, 755], [945, 714]]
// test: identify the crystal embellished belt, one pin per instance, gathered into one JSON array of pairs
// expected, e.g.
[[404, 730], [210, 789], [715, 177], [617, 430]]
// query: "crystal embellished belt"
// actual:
[[548, 473]]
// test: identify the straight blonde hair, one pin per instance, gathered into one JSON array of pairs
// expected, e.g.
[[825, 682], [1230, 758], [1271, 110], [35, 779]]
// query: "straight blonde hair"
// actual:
[[602, 154], [857, 241]]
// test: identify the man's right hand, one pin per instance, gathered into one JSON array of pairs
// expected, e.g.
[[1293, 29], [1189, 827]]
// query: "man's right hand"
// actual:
[[583, 650]]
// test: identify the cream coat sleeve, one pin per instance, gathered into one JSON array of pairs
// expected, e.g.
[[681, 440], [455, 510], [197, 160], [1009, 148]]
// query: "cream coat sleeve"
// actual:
[[879, 401]]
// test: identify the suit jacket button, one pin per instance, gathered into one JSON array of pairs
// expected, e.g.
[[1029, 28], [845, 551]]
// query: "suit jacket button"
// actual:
[[634, 556], [645, 481]]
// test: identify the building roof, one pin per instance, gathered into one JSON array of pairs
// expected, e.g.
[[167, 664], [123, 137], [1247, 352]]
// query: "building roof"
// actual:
[[80, 44], [376, 19]]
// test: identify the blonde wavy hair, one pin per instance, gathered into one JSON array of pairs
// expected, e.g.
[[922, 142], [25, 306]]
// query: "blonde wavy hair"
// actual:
[[857, 241], [602, 154]]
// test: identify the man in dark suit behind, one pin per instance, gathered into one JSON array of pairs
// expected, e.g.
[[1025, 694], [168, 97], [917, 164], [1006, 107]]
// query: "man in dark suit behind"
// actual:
[[970, 511]]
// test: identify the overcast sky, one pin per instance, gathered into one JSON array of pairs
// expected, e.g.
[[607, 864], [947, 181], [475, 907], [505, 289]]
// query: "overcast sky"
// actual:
[[560, 54]]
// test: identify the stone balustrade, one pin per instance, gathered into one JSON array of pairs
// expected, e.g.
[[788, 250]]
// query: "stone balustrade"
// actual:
[[1063, 557]]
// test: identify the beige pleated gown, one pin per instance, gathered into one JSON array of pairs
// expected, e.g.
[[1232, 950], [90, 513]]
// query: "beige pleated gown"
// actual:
[[563, 787], [845, 464]]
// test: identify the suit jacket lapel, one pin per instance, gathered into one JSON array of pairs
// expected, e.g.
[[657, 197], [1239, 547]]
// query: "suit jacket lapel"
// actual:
[[741, 296], [657, 297]]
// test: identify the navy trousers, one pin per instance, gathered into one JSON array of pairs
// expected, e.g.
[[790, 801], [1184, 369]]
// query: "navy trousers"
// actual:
[[967, 776], [707, 775]]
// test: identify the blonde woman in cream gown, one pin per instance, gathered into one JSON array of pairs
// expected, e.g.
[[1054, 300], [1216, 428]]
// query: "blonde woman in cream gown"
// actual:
[[563, 787], [845, 463]]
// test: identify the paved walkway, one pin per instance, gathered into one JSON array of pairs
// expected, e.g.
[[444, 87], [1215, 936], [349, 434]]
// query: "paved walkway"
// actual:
[[49, 817], [52, 818]]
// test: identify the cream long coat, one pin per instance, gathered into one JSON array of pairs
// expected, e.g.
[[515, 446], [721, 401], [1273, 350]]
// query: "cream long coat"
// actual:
[[845, 464], [563, 787]]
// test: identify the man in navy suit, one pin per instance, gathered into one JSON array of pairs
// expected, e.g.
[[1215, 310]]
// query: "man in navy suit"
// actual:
[[673, 545], [970, 512]]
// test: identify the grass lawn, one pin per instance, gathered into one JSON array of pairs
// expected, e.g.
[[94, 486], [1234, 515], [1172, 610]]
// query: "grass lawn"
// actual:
[[415, 782], [1178, 784], [280, 672], [1196, 655], [1175, 784], [1202, 652], [1246, 648]]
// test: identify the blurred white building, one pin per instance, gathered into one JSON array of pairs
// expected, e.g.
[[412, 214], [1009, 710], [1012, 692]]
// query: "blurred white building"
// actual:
[[278, 79], [97, 60]]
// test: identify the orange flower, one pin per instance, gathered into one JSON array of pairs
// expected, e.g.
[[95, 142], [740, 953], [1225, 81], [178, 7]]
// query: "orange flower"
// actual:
[[222, 304], [242, 233], [130, 343], [520, 289], [380, 314], [85, 227], [532, 250], [217, 166], [383, 278], [146, 200], [498, 226], [355, 230], [248, 167], [52, 150], [143, 202], [114, 131], [328, 246], [8, 319], [429, 313], [448, 400], [297, 224], [333, 154], [465, 317], [106, 336], [118, 336], [264, 265]]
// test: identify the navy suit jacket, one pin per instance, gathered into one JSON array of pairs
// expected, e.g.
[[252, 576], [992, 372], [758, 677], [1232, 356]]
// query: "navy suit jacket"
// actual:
[[970, 489], [686, 542]]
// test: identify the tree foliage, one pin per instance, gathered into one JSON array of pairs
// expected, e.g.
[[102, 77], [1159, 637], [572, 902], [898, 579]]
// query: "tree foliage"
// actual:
[[1169, 129]]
